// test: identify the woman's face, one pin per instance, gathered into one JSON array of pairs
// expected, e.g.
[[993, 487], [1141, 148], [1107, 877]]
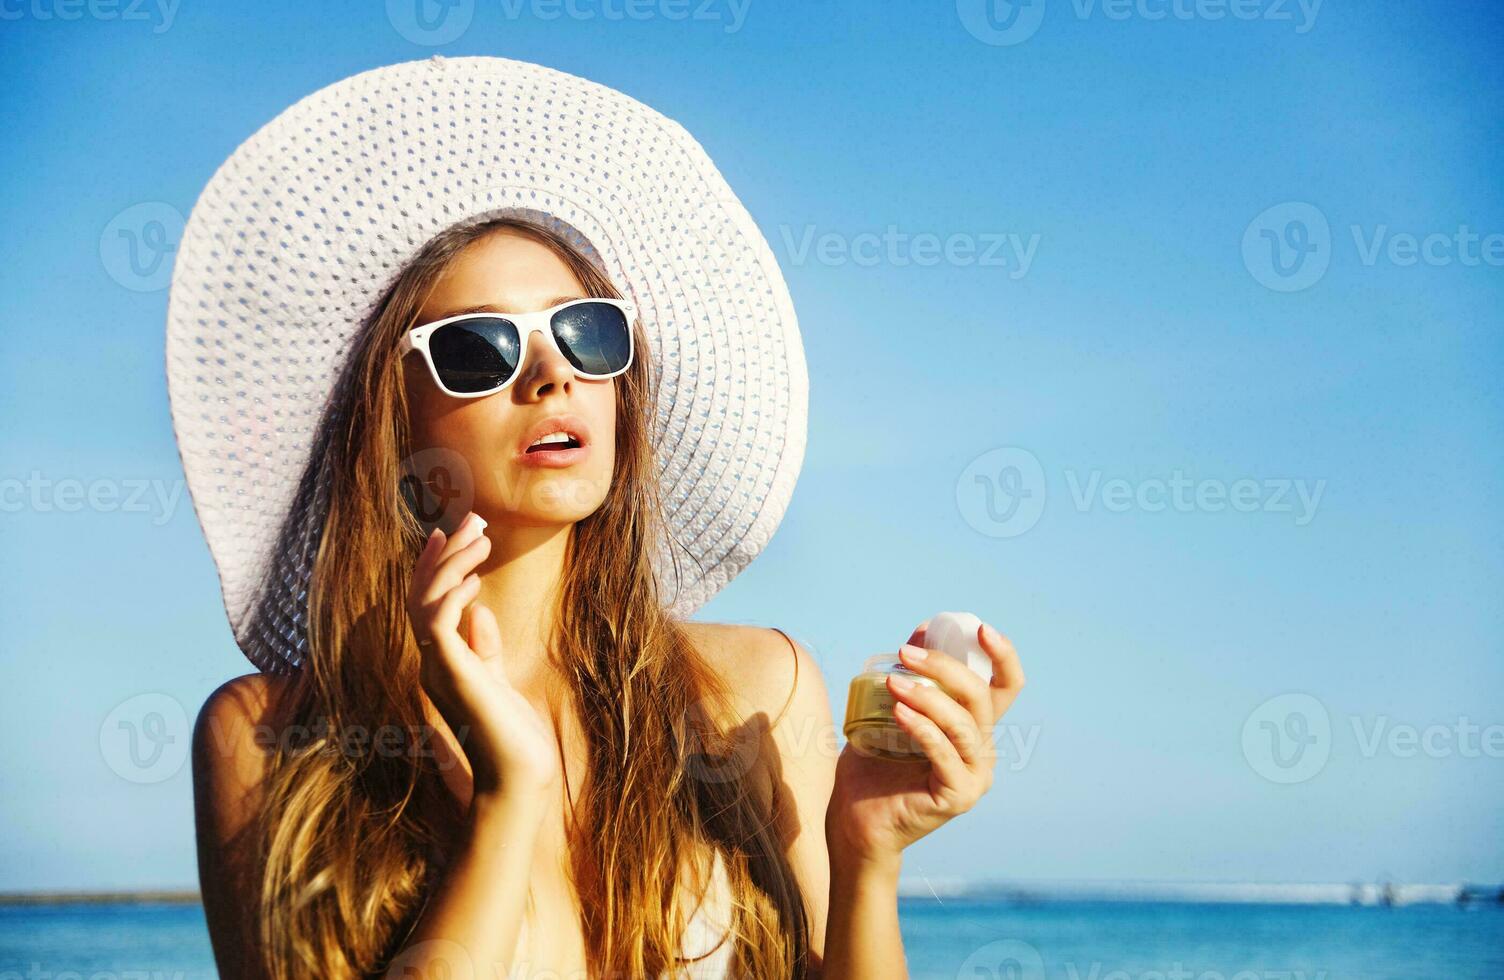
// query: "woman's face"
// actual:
[[472, 452]]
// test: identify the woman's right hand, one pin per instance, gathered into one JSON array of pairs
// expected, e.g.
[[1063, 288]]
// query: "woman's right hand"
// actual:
[[509, 746]]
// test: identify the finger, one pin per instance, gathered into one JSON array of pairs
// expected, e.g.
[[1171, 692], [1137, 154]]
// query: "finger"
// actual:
[[452, 570], [958, 724], [470, 527], [485, 634], [948, 774], [430, 553], [1007, 670], [916, 638], [437, 549], [959, 680], [444, 617]]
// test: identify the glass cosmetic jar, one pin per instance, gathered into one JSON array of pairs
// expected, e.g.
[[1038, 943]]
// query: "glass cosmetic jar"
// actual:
[[870, 727]]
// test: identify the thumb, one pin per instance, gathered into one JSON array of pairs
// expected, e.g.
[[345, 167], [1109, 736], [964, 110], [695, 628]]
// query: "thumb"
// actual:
[[485, 634]]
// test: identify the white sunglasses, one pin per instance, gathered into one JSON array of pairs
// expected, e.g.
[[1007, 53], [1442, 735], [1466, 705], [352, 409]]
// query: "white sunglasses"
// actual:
[[476, 354]]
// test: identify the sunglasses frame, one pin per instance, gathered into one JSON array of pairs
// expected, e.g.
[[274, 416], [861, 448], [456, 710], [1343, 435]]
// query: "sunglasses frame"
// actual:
[[527, 324]]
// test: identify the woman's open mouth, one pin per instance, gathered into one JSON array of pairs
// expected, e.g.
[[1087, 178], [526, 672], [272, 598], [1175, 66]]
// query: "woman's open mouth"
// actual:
[[559, 440], [553, 445]]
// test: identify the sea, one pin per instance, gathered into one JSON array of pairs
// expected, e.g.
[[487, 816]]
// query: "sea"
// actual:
[[945, 938]]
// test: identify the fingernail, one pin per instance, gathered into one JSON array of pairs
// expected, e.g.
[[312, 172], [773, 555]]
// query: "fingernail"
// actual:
[[992, 634], [916, 654], [902, 683]]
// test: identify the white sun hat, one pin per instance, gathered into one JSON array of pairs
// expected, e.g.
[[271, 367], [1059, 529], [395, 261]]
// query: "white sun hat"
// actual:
[[298, 234]]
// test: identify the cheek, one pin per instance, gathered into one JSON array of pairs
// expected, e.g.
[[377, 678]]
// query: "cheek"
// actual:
[[436, 424], [422, 405], [605, 424], [441, 469]]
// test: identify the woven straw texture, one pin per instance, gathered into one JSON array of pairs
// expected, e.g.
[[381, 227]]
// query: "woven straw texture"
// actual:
[[301, 230]]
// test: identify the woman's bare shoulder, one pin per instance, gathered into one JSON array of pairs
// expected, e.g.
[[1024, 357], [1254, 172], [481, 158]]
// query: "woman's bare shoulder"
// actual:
[[233, 737], [785, 712], [233, 740], [769, 672], [241, 704]]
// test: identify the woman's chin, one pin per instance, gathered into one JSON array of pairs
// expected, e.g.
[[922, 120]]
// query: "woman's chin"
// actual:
[[548, 497]]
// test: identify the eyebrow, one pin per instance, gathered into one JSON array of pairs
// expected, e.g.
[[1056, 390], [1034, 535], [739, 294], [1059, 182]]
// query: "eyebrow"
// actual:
[[492, 308]]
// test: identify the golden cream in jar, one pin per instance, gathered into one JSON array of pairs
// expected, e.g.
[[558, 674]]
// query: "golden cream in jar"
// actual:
[[870, 727]]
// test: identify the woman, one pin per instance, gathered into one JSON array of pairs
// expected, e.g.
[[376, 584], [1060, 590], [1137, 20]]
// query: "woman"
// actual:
[[500, 748]]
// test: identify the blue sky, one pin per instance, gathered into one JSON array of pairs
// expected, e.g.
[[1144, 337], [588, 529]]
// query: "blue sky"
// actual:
[[1182, 409]]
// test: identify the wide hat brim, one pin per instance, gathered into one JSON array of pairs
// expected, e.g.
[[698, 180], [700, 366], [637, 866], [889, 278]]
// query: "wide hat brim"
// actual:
[[303, 228]]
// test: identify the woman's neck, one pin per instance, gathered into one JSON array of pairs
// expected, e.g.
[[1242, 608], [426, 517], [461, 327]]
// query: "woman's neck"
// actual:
[[520, 582]]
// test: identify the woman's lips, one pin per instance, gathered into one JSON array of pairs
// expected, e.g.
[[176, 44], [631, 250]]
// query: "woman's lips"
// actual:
[[554, 458], [568, 423]]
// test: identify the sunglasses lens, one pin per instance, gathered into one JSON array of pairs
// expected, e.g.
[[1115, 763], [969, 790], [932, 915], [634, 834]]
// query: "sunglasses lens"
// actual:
[[478, 354], [595, 337]]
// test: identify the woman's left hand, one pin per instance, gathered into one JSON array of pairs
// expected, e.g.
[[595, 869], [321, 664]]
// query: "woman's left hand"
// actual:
[[880, 806]]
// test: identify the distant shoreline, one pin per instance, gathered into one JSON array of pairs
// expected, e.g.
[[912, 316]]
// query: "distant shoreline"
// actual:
[[177, 897], [1383, 893]]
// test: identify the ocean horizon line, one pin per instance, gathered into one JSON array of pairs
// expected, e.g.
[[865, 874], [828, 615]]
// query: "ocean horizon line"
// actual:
[[1375, 893], [1015, 891]]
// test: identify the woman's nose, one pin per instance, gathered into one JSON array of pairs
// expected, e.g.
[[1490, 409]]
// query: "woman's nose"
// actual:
[[545, 367]]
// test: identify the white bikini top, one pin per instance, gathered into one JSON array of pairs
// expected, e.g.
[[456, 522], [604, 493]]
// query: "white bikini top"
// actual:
[[705, 935]]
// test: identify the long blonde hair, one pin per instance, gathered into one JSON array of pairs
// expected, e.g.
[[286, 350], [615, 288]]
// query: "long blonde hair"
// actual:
[[353, 842]]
